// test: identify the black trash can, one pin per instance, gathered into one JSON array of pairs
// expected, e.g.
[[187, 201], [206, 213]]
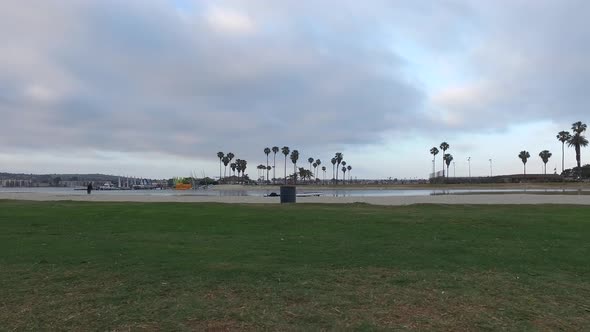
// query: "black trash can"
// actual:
[[288, 194]]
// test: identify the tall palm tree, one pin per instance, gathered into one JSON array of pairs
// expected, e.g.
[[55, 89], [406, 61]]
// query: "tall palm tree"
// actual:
[[434, 152], [244, 166], [343, 174], [578, 140], [545, 155], [225, 161], [318, 162], [294, 157], [324, 170], [349, 168], [275, 149], [447, 158], [339, 156], [444, 146], [220, 156], [524, 156], [233, 168], [266, 152], [333, 161], [315, 166], [310, 160], [563, 136], [239, 168], [285, 150], [230, 156]]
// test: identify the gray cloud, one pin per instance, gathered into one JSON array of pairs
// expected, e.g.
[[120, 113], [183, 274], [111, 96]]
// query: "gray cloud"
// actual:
[[136, 78], [240, 75]]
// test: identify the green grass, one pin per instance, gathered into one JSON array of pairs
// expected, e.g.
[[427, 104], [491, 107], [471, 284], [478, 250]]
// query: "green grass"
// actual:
[[134, 266]]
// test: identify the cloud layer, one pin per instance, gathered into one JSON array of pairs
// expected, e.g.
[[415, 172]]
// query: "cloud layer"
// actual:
[[194, 77]]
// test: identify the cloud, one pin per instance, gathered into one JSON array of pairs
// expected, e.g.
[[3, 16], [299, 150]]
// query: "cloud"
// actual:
[[527, 64], [204, 76], [136, 77]]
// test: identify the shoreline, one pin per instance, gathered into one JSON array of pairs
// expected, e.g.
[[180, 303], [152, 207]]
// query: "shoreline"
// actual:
[[519, 186], [486, 199]]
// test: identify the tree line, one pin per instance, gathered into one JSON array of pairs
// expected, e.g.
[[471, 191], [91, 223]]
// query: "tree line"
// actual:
[[576, 139], [312, 172]]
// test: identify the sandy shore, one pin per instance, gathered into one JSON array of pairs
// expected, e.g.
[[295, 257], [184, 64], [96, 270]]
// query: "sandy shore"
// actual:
[[388, 200]]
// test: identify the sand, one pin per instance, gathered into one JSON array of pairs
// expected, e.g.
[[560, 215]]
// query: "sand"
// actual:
[[388, 200]]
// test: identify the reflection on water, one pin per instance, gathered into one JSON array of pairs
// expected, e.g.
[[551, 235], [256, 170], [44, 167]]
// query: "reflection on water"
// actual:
[[322, 192]]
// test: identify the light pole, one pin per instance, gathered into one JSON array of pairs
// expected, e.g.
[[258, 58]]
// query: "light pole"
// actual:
[[454, 170], [491, 168], [469, 162]]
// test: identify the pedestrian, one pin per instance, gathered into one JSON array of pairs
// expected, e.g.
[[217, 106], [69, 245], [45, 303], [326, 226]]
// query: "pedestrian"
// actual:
[[89, 188]]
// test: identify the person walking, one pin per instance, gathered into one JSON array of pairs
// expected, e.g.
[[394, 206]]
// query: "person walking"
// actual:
[[89, 188]]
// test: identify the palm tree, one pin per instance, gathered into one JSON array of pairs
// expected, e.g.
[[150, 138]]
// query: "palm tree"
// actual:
[[275, 149], [239, 167], [285, 151], [578, 140], [343, 174], [225, 163], [324, 170], [244, 166], [349, 168], [230, 156], [545, 155], [563, 136], [233, 168], [266, 152], [333, 161], [524, 156], [433, 152], [444, 146], [447, 158], [318, 162], [220, 156], [310, 161], [315, 166], [294, 157], [339, 156]]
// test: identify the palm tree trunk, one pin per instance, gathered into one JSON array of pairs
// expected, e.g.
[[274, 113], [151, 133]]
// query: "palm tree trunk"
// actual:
[[524, 165], [274, 164], [562, 157], [433, 166], [578, 154], [443, 163], [285, 169], [219, 168]]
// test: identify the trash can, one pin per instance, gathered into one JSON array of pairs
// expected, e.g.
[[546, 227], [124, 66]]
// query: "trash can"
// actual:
[[288, 194]]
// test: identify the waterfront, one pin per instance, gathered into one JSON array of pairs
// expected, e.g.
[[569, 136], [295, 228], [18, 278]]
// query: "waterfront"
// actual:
[[329, 192]]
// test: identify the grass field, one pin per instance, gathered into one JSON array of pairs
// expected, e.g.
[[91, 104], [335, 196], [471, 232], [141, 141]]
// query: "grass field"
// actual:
[[160, 266]]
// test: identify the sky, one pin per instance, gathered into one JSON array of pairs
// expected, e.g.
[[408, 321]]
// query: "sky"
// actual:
[[155, 88]]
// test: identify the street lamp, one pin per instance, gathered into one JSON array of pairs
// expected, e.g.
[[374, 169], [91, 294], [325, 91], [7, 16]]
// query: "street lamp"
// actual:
[[454, 170], [469, 162], [490, 167]]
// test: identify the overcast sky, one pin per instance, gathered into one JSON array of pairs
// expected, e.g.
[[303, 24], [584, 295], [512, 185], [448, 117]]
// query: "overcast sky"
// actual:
[[156, 88]]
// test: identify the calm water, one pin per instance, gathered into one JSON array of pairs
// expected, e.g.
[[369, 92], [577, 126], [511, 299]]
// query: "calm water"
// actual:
[[324, 192]]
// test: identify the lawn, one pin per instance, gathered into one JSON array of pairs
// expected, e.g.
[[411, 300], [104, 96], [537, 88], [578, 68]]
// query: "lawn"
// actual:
[[161, 266]]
